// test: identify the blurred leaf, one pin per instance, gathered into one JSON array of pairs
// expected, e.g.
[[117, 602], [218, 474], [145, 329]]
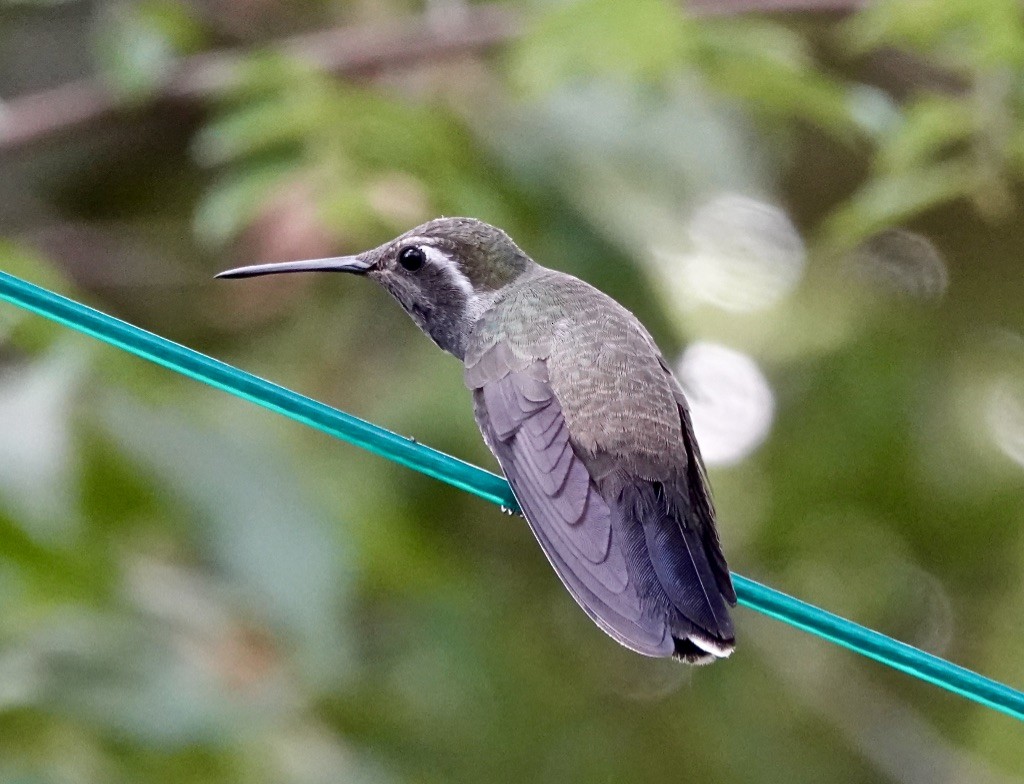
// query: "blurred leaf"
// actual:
[[275, 122], [374, 162], [890, 199], [265, 73], [769, 68], [124, 675], [138, 43], [873, 110], [978, 34], [255, 522], [645, 40], [36, 405], [932, 125], [1015, 151], [235, 198], [25, 329], [975, 122]]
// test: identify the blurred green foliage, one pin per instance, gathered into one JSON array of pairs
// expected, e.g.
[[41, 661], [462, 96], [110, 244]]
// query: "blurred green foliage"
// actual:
[[138, 43], [196, 591]]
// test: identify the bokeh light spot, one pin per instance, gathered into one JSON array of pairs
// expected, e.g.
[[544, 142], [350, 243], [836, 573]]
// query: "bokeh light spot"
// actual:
[[743, 255], [1004, 414], [902, 262], [731, 402]]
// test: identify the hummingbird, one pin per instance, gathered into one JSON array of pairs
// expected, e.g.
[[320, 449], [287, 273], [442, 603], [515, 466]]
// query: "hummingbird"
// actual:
[[586, 420]]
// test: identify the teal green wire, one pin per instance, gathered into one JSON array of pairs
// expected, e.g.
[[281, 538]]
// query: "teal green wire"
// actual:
[[223, 376], [486, 485]]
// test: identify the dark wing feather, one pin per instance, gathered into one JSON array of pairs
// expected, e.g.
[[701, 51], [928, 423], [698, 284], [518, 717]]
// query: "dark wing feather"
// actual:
[[583, 538], [703, 508], [678, 552]]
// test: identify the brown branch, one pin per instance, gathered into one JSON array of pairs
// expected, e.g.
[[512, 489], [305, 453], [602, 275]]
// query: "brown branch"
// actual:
[[346, 51]]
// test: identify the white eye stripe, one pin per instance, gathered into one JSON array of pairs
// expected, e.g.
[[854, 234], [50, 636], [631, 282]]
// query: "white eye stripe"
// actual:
[[451, 268], [436, 256], [475, 302], [415, 241]]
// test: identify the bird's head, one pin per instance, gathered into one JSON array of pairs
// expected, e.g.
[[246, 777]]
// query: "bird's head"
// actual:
[[445, 273]]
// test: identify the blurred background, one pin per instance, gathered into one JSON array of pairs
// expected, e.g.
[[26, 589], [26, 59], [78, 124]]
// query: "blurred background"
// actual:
[[814, 205]]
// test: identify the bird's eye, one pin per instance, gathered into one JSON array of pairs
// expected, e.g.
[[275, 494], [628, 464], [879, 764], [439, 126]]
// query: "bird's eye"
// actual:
[[411, 258]]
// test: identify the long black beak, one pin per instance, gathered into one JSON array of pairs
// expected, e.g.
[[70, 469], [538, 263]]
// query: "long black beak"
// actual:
[[354, 264]]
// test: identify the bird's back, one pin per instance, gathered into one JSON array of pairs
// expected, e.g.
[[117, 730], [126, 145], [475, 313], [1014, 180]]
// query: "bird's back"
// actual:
[[635, 540]]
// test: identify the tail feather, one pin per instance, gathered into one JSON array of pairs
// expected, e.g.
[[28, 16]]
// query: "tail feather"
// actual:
[[688, 651], [687, 573]]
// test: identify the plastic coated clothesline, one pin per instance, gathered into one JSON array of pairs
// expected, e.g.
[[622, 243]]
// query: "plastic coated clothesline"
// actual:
[[484, 484]]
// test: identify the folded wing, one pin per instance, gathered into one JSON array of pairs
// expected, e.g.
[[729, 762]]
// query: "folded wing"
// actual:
[[594, 554]]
